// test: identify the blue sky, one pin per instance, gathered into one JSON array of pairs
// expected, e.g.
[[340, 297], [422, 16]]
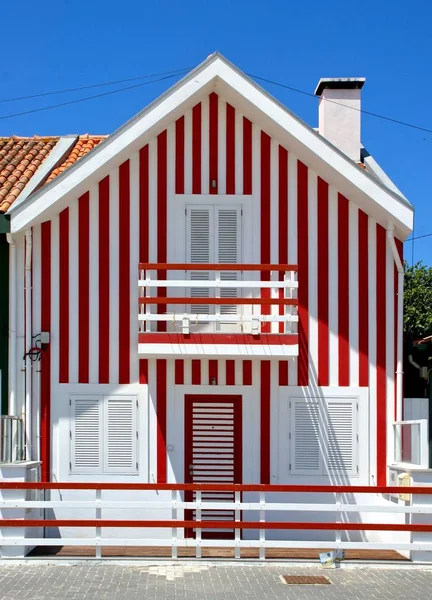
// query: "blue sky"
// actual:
[[58, 44]]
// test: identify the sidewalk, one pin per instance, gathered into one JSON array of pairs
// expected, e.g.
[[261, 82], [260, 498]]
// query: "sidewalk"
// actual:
[[206, 582]]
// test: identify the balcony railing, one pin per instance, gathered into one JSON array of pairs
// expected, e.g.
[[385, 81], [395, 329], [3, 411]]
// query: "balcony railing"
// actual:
[[217, 298]]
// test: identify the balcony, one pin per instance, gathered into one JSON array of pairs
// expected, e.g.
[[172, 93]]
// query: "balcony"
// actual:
[[217, 310]]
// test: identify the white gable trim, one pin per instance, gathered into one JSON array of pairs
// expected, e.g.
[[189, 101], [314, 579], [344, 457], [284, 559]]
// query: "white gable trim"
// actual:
[[217, 74]]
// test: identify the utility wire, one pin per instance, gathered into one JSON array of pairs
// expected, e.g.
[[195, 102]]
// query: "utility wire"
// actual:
[[130, 87], [95, 85], [419, 237], [361, 110]]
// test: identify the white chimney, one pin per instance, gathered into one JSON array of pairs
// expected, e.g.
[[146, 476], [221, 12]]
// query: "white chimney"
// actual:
[[339, 113]]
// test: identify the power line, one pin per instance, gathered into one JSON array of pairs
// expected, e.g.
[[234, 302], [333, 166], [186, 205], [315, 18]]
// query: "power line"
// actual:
[[419, 237], [130, 87], [95, 85], [361, 110]]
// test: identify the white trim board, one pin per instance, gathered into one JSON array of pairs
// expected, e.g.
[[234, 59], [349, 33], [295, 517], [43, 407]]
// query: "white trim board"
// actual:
[[217, 74]]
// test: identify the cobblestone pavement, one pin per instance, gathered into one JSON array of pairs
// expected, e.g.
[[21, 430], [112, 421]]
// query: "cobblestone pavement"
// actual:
[[206, 582]]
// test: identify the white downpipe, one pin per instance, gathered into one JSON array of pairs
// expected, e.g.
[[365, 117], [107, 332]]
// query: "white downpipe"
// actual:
[[28, 344], [12, 409], [399, 349]]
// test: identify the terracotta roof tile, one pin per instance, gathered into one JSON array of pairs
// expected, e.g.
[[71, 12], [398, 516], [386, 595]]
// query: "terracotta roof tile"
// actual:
[[83, 146], [20, 158]]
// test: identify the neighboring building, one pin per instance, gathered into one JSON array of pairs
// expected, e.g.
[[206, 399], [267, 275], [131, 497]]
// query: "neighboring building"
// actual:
[[215, 172], [26, 163]]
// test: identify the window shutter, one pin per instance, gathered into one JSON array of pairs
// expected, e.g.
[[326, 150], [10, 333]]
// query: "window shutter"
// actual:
[[342, 436], [228, 250], [200, 241], [305, 438], [86, 434], [120, 455]]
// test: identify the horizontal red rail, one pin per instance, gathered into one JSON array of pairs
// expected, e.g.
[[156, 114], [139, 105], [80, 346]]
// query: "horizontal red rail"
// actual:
[[218, 525], [218, 487], [230, 301], [213, 267]]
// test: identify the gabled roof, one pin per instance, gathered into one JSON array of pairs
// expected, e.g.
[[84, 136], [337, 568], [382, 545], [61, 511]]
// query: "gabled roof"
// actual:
[[219, 75], [23, 160]]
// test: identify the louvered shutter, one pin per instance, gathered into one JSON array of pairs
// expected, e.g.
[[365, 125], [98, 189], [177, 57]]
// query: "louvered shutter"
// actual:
[[86, 434], [342, 436], [120, 435], [306, 451], [228, 250], [199, 244]]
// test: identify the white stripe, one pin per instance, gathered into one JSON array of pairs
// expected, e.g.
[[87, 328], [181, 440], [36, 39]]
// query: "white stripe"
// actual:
[[152, 421], [73, 292], [187, 372], [353, 295], [256, 194], [313, 275], [188, 152], [171, 409], [133, 264], [222, 142], [204, 372], [292, 243], [54, 340], [114, 276], [274, 223], [205, 145], [238, 372], [94, 286], [372, 347], [36, 329], [152, 229], [221, 372], [333, 288], [390, 353], [238, 152]]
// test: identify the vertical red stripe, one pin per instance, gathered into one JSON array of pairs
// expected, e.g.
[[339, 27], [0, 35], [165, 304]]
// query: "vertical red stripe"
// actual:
[[283, 372], [179, 371], [213, 149], [104, 277], [265, 221], [196, 372], [265, 422], [230, 149], [213, 371], [196, 149], [143, 371], [343, 290], [124, 279], [230, 372], [162, 217], [323, 283], [83, 287], [363, 245], [45, 367], [64, 296], [381, 356], [303, 289], [247, 372], [161, 395], [144, 204], [247, 156], [283, 221], [179, 155]]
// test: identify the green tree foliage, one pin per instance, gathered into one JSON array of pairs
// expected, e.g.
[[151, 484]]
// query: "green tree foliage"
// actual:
[[418, 301]]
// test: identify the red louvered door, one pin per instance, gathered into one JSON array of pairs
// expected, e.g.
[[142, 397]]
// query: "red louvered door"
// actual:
[[213, 454]]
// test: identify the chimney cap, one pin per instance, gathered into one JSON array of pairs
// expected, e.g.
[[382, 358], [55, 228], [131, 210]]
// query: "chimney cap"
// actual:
[[339, 83]]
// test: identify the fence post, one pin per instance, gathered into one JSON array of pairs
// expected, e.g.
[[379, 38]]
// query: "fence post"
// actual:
[[237, 520], [262, 550], [198, 529], [338, 532], [98, 529], [174, 514]]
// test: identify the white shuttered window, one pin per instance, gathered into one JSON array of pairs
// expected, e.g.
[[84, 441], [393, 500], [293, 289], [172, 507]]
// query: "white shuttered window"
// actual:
[[324, 436], [103, 434]]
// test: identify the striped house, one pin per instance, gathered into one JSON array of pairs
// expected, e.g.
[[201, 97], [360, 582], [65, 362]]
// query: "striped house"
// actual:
[[213, 291]]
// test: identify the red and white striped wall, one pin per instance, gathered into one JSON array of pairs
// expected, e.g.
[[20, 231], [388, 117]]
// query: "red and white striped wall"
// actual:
[[85, 269]]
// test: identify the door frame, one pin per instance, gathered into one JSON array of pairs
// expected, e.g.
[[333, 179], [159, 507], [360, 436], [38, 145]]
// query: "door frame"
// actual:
[[237, 400]]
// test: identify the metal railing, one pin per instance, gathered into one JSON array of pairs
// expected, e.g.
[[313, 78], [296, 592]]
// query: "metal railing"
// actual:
[[411, 443], [216, 296], [189, 532], [12, 445]]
